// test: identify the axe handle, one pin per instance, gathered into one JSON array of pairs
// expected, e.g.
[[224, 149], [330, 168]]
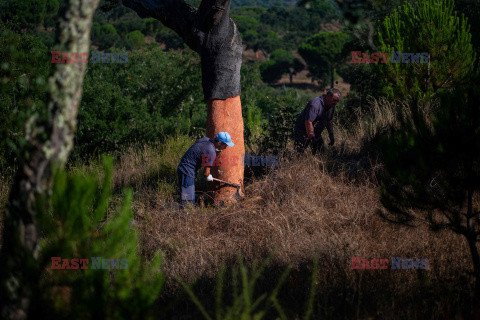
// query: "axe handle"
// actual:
[[226, 182]]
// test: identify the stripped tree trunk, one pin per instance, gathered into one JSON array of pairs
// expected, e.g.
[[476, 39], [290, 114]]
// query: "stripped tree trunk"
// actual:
[[223, 115], [211, 33], [49, 143]]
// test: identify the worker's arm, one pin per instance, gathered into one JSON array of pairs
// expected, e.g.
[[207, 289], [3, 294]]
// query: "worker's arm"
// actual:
[[207, 175], [309, 128]]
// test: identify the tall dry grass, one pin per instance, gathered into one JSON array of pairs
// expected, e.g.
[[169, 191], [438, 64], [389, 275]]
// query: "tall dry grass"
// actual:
[[317, 206], [308, 207]]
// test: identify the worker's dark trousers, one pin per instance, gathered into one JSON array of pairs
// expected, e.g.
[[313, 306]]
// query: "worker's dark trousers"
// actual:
[[186, 186], [301, 142]]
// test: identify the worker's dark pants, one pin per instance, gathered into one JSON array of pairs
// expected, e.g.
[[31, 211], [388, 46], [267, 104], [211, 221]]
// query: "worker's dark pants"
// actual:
[[302, 142], [186, 187]]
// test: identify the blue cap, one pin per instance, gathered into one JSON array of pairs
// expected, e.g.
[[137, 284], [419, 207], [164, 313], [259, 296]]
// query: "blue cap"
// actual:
[[225, 138]]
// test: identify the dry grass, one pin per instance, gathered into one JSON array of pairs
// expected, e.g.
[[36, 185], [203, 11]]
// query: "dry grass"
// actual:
[[296, 213], [301, 210], [306, 207]]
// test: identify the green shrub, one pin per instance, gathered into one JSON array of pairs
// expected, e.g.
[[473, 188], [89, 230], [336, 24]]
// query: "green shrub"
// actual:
[[82, 223], [431, 27], [170, 39], [144, 100], [25, 66], [280, 62], [135, 40]]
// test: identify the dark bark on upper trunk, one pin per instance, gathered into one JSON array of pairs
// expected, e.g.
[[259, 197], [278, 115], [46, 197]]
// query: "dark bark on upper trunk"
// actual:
[[210, 32], [49, 142]]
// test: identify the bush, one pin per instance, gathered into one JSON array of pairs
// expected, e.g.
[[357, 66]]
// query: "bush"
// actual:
[[430, 27], [25, 66], [134, 40], [144, 100], [170, 39], [283, 110], [82, 223], [280, 62], [104, 36]]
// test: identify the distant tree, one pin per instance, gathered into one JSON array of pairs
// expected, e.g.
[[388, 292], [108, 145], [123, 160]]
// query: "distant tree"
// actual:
[[267, 42], [152, 27], [254, 12], [250, 39], [432, 167], [269, 71], [104, 36], [135, 39], [322, 52], [433, 28], [170, 39], [129, 24], [245, 23], [280, 62], [323, 8]]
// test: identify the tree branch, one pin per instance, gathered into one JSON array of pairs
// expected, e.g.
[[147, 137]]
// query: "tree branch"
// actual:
[[210, 32], [174, 14]]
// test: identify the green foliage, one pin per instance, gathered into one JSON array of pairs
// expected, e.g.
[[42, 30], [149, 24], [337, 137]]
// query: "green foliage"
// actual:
[[109, 29], [432, 27], [143, 101], [72, 228], [433, 161], [261, 3], [244, 303], [152, 26], [170, 39], [281, 62], [270, 73], [104, 36], [245, 23], [297, 19], [322, 52], [362, 77], [135, 40], [249, 11], [323, 8], [253, 89], [25, 67], [282, 114], [128, 23], [28, 14], [267, 42]]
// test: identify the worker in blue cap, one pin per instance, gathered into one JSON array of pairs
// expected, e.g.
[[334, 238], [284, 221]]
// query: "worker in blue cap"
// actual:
[[201, 153]]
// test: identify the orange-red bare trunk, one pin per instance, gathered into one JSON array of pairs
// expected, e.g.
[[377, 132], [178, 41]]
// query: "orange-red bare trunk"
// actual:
[[226, 115]]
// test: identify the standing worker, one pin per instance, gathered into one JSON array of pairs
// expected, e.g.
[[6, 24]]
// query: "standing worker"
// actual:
[[192, 161], [317, 115]]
